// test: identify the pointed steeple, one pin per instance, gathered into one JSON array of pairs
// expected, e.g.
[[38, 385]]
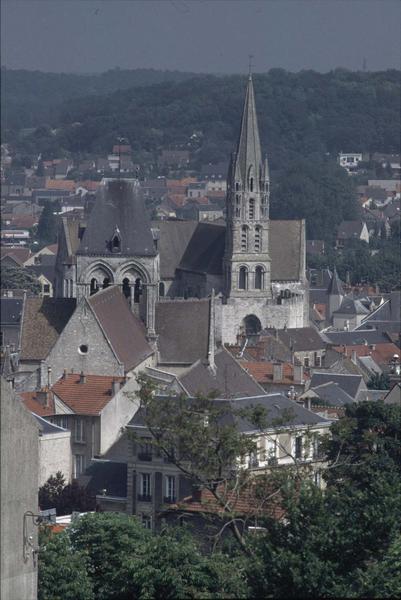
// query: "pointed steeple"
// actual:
[[249, 153], [335, 286]]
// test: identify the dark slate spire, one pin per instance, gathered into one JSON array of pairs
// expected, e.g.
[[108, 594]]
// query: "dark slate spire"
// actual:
[[335, 286], [248, 150]]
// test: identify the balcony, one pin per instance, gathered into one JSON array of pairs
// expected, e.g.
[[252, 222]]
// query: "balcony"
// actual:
[[144, 498], [169, 499]]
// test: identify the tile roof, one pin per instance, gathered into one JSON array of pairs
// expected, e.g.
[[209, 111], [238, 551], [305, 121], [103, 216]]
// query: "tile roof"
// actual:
[[19, 254], [183, 330], [88, 398], [43, 321], [228, 380], [381, 353], [34, 405], [262, 371], [119, 204], [125, 332], [247, 502], [64, 185]]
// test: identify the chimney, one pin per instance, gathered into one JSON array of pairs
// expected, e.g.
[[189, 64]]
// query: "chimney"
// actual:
[[277, 372], [82, 377], [197, 493], [353, 357], [43, 397], [65, 374], [115, 387], [309, 403], [298, 374]]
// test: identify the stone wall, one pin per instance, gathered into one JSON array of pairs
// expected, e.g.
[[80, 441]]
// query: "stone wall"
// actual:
[[55, 455]]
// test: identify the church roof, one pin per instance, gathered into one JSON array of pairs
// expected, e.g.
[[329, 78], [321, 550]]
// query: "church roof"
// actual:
[[248, 149], [183, 330], [119, 206], [125, 332], [174, 238], [205, 250]]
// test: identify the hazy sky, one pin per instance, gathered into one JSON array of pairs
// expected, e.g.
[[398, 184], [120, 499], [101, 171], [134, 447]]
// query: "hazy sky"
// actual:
[[200, 35]]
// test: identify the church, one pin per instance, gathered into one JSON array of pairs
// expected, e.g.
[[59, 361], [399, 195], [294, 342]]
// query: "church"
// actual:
[[252, 269]]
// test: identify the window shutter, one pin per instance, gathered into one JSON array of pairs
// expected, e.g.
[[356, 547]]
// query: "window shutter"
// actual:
[[158, 490], [134, 492]]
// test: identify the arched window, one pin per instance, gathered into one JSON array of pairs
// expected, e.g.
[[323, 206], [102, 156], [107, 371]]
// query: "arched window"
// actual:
[[264, 206], [251, 208], [258, 239], [161, 289], [251, 184], [116, 241], [126, 287], [259, 278], [237, 206], [137, 290], [252, 325], [244, 238], [243, 278], [106, 282], [237, 186], [94, 286]]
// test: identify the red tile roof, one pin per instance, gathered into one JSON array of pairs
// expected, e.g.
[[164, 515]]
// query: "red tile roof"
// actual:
[[263, 371], [381, 353], [248, 502], [67, 185], [33, 404], [87, 398]]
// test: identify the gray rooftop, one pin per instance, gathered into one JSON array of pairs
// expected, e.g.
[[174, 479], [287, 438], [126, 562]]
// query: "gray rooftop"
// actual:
[[348, 383], [331, 393], [119, 206]]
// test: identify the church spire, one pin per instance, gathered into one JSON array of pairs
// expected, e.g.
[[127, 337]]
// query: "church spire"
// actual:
[[248, 159]]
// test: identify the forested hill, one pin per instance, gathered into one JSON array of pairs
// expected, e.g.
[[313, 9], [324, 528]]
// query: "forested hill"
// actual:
[[31, 98], [300, 114]]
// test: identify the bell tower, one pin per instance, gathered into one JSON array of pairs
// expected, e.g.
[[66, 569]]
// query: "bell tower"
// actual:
[[246, 257]]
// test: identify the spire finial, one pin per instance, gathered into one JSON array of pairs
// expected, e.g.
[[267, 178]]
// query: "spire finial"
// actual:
[[250, 56]]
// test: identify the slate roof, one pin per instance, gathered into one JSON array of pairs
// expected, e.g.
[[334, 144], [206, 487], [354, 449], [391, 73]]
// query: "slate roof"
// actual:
[[119, 204], [43, 321], [390, 310], [356, 337], [300, 339], [11, 310], [350, 306], [350, 230], [230, 380], [174, 238], [106, 475], [248, 149], [205, 250], [20, 255], [348, 383], [47, 428], [125, 332], [279, 409], [88, 398], [332, 394], [183, 330]]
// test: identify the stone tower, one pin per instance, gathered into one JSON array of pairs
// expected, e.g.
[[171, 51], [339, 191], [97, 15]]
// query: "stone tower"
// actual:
[[246, 265], [335, 292]]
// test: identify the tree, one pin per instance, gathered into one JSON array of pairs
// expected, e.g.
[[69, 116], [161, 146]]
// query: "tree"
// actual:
[[65, 498], [379, 381], [62, 570], [47, 226], [18, 278]]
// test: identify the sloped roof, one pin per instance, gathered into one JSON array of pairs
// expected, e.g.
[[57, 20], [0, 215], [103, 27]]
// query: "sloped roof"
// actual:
[[119, 205], [43, 321], [350, 229], [335, 286], [332, 394], [88, 398], [349, 383], [205, 250], [183, 330], [174, 238], [47, 428], [285, 247], [301, 339], [248, 149], [355, 337], [11, 310], [350, 306], [65, 185], [20, 255], [125, 332], [229, 379], [262, 371], [33, 404], [381, 353]]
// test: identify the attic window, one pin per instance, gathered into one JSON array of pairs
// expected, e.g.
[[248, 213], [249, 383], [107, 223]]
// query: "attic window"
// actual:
[[116, 241], [83, 349]]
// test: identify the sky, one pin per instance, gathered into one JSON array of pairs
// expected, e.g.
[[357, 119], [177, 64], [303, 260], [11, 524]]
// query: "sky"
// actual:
[[209, 36]]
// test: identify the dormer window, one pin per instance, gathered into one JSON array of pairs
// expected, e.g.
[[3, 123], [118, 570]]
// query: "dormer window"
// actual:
[[116, 241]]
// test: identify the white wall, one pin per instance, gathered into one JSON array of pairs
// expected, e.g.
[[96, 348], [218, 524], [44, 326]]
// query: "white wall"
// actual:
[[55, 455]]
